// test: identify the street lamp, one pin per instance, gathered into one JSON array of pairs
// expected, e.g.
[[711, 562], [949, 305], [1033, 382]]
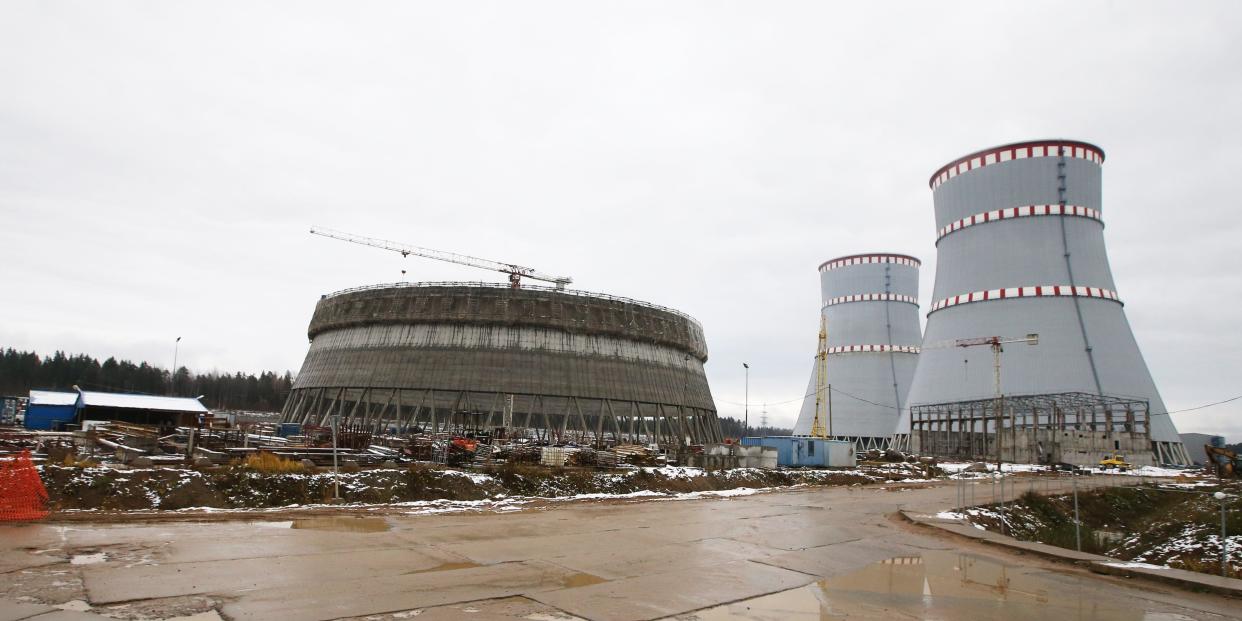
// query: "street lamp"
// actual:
[[1001, 481], [172, 379], [1224, 536], [746, 406]]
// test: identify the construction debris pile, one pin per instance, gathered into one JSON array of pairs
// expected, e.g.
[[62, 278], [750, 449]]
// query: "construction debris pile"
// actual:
[[217, 442]]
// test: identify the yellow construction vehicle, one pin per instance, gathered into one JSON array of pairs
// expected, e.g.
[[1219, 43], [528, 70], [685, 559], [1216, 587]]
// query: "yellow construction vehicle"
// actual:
[[1116, 460]]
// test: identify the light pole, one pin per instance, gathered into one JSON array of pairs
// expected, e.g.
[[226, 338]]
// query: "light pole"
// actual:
[[336, 471], [1001, 481], [172, 378], [1077, 522], [746, 405], [1224, 535]]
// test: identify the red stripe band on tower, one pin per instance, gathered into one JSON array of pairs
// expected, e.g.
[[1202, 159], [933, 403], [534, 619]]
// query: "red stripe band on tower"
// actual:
[[1027, 292], [862, 259], [872, 297], [860, 349], [1024, 211], [1018, 151]]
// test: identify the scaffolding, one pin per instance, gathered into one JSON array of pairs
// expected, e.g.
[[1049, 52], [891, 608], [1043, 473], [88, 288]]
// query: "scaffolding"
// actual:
[[1042, 428]]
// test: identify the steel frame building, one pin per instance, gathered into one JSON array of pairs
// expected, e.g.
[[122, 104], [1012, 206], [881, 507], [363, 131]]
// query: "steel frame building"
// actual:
[[565, 365], [1020, 250], [1071, 427]]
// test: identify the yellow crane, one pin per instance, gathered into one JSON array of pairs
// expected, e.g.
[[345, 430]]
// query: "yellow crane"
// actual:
[[821, 384]]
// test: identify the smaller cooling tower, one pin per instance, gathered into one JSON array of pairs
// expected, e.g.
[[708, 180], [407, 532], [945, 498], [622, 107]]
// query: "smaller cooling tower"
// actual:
[[871, 308]]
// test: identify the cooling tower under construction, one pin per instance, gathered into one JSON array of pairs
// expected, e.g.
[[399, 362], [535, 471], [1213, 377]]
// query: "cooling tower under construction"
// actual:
[[871, 312], [1020, 251], [551, 364]]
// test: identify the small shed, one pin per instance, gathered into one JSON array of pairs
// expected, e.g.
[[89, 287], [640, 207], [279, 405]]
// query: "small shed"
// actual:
[[48, 410], [52, 410], [141, 409], [799, 451]]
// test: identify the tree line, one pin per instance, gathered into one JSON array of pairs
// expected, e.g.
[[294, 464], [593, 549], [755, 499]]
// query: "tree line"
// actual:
[[733, 428], [23, 371]]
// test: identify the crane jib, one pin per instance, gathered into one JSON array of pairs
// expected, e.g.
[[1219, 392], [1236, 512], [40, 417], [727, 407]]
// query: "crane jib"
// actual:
[[515, 272]]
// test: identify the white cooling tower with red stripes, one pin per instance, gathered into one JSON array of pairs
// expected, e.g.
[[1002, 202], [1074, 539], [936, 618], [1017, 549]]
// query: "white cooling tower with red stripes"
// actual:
[[1020, 250], [870, 304]]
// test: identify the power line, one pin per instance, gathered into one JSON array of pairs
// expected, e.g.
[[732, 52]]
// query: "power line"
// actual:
[[885, 405], [1200, 407]]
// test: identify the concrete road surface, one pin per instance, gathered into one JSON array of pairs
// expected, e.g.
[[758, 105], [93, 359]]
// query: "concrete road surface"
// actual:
[[821, 553]]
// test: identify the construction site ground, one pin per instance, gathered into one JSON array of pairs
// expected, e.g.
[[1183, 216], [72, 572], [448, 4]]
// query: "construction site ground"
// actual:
[[814, 552]]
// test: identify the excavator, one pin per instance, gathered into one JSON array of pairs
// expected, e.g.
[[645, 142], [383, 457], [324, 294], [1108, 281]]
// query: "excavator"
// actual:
[[1222, 462]]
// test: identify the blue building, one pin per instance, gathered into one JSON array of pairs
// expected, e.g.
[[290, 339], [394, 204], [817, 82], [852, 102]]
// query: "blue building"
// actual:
[[798, 451], [47, 410], [51, 410]]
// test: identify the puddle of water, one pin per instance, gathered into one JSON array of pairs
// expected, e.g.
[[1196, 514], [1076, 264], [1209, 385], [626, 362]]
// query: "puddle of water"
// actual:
[[342, 523], [580, 580], [88, 559], [938, 585]]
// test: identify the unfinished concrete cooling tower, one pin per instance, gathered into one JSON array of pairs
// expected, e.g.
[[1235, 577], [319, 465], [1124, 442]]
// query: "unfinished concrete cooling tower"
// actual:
[[871, 311], [563, 365], [1020, 251]]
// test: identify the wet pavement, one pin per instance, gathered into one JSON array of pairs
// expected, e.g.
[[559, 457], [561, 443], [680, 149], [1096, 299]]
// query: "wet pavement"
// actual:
[[828, 553]]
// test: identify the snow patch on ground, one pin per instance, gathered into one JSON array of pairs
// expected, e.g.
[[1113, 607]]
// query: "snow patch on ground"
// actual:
[[477, 478], [1133, 565]]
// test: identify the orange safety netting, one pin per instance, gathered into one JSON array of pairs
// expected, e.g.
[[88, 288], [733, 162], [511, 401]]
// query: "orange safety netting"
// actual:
[[22, 495]]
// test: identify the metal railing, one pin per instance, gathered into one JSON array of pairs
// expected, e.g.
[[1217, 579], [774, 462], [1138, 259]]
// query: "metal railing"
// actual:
[[494, 285]]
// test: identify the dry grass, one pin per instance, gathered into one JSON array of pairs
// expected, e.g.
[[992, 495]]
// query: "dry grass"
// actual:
[[73, 461], [272, 464]]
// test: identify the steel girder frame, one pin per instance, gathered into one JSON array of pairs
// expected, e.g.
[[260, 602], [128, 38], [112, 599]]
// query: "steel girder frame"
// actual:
[[973, 428], [556, 419]]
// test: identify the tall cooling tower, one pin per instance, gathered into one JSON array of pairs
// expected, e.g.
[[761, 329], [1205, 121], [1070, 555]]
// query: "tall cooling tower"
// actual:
[[871, 310], [1020, 250]]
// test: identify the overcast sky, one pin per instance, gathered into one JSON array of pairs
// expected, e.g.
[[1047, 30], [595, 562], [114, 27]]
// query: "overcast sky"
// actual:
[[161, 162]]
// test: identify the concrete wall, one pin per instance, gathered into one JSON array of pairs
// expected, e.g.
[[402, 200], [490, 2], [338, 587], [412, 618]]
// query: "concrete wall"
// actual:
[[1036, 446], [726, 456]]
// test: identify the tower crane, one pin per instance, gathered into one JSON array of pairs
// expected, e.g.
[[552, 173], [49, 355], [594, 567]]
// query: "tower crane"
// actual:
[[821, 383], [997, 343], [515, 272]]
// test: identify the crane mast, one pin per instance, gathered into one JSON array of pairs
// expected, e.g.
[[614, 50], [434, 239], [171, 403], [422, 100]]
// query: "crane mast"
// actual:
[[997, 344], [515, 272], [821, 382]]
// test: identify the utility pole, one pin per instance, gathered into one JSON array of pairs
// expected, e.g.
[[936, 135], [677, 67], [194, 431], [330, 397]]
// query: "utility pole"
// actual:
[[746, 405]]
